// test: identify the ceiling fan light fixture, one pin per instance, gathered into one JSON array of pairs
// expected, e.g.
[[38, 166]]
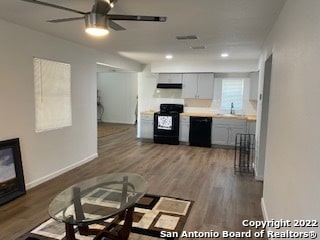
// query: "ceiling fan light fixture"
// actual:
[[96, 24], [98, 20], [97, 32], [111, 4]]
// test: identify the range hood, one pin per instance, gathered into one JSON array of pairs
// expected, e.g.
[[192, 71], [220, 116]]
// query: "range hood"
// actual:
[[170, 85], [170, 81]]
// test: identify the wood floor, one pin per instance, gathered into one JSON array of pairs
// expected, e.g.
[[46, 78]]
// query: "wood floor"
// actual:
[[222, 199]]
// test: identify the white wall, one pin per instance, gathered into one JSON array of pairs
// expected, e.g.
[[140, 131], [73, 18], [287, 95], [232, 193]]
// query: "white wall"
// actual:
[[254, 85], [118, 92], [45, 155], [149, 96], [291, 175]]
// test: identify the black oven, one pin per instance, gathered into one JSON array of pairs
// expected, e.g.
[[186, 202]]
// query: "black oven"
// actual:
[[166, 124]]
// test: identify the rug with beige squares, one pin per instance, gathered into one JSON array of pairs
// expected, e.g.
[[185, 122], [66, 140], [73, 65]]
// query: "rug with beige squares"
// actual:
[[152, 215]]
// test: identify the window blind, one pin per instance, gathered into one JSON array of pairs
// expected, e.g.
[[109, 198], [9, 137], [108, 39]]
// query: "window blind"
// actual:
[[232, 92], [52, 88]]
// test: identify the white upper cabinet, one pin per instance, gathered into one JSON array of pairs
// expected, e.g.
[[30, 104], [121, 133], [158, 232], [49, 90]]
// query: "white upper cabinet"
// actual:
[[170, 78], [205, 85], [197, 85], [189, 85]]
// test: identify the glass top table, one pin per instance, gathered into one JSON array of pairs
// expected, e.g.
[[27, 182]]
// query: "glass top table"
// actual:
[[96, 199]]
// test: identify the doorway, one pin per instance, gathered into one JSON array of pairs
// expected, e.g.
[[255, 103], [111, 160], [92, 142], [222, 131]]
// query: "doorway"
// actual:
[[264, 117], [117, 92]]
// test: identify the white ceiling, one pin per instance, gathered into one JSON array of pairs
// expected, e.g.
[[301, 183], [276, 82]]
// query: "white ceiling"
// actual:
[[238, 27]]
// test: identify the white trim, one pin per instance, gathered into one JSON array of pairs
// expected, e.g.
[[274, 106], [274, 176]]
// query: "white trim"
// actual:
[[120, 122], [259, 178], [59, 172], [264, 213]]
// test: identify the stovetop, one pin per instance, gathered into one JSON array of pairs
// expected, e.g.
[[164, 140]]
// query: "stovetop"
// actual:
[[168, 108]]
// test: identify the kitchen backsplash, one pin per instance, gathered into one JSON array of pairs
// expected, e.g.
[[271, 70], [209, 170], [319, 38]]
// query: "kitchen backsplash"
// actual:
[[152, 97], [196, 105]]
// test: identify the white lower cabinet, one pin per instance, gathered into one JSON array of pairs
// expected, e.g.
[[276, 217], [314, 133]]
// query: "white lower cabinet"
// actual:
[[234, 129], [224, 130], [251, 127], [147, 126], [184, 129], [219, 134]]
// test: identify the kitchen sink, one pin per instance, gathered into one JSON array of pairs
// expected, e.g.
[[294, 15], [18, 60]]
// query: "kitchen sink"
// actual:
[[230, 115]]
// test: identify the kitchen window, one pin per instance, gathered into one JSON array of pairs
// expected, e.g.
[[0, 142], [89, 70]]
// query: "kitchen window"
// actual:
[[232, 92]]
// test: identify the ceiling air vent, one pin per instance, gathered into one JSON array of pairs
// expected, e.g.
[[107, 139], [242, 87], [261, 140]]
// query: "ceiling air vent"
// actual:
[[188, 37], [198, 47]]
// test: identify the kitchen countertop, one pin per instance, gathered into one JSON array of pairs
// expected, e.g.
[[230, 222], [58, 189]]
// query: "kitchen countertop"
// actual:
[[211, 114], [149, 112]]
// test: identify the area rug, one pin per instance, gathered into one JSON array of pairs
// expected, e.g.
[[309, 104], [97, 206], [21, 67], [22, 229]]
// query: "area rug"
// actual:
[[107, 129], [152, 215]]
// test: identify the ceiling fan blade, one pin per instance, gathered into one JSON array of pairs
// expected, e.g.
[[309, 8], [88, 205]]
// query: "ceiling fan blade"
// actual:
[[54, 6], [115, 26], [136, 18], [65, 20]]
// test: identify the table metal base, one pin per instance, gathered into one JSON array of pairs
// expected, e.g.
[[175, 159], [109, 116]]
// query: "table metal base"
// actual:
[[112, 230]]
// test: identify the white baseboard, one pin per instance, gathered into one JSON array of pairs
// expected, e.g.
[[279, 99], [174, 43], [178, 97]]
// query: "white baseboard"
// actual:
[[59, 172], [264, 212], [118, 122]]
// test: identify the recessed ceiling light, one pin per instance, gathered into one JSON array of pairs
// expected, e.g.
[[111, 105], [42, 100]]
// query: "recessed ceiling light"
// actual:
[[224, 55], [169, 56]]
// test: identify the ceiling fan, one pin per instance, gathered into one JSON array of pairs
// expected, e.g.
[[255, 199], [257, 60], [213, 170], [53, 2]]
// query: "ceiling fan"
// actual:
[[98, 20]]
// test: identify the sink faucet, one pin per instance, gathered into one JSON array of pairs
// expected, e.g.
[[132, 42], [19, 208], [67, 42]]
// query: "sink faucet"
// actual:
[[232, 109]]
